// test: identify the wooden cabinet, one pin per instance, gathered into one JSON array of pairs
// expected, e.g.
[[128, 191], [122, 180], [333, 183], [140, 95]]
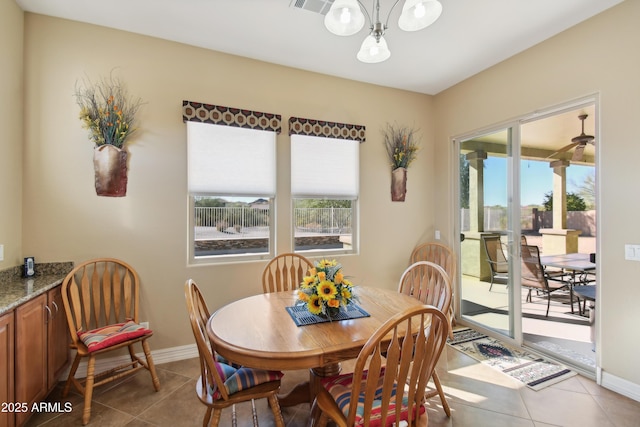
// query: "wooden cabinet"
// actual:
[[31, 354], [58, 338], [41, 348], [7, 418]]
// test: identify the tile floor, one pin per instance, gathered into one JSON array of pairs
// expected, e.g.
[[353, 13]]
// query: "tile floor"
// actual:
[[478, 396]]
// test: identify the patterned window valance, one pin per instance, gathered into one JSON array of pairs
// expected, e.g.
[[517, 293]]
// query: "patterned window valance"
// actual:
[[220, 115], [310, 127]]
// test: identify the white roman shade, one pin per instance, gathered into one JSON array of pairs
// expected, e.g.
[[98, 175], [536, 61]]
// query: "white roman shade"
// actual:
[[229, 160], [324, 167]]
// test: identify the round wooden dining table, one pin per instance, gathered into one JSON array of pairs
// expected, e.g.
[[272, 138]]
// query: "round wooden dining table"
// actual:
[[258, 332]]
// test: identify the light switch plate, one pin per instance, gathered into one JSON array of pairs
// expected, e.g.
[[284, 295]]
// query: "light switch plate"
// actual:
[[1, 252], [632, 252]]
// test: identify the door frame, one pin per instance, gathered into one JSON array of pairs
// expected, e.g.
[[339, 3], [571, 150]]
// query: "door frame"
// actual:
[[516, 123]]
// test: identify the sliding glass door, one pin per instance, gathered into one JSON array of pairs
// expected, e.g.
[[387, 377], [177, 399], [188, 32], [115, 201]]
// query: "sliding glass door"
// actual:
[[534, 177], [489, 227]]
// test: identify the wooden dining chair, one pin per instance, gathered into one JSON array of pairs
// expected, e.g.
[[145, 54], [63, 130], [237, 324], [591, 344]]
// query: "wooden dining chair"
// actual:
[[223, 384], [390, 374], [428, 282], [101, 299], [285, 272], [444, 256]]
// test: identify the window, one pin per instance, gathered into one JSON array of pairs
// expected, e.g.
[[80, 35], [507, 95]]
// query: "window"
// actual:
[[324, 185], [231, 182]]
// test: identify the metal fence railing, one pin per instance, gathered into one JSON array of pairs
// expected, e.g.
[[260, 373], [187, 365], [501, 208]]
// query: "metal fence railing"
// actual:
[[238, 218], [323, 220], [531, 219], [306, 220]]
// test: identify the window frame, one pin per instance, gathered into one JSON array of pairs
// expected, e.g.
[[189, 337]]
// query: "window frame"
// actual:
[[333, 131], [239, 118]]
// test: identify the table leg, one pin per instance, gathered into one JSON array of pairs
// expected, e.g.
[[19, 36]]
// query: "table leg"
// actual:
[[305, 392], [572, 283], [299, 394]]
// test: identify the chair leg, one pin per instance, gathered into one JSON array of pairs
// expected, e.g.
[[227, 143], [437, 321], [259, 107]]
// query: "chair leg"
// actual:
[[443, 399], [88, 390], [72, 374], [275, 408], [491, 286], [215, 419], [549, 304], [152, 368], [207, 417], [314, 417], [322, 420]]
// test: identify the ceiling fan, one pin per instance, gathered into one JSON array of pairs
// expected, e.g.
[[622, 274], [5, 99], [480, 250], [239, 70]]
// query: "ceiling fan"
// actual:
[[579, 142]]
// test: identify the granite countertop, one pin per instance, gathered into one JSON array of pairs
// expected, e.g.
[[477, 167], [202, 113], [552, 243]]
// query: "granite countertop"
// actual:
[[16, 289]]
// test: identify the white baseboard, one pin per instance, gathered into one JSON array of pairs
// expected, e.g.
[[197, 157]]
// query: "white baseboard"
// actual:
[[620, 386], [165, 355]]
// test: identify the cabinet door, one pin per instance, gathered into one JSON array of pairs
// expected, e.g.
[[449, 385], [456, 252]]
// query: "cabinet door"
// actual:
[[31, 353], [6, 367], [58, 337]]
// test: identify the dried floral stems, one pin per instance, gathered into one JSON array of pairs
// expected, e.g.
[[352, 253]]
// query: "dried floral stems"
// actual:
[[107, 111], [401, 145]]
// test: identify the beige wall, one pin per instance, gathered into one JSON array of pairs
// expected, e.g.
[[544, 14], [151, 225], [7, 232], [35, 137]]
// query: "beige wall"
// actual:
[[148, 227], [598, 56], [65, 220], [11, 102]]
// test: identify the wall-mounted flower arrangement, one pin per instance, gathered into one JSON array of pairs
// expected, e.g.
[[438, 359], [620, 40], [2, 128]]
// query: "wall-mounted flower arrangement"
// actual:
[[402, 148], [108, 113]]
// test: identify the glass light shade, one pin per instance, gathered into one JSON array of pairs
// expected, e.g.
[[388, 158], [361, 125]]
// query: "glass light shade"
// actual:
[[419, 14], [344, 18], [373, 51]]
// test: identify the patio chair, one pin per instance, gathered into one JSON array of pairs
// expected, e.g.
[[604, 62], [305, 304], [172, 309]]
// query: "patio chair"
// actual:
[[390, 374], [285, 272], [496, 258], [534, 278]]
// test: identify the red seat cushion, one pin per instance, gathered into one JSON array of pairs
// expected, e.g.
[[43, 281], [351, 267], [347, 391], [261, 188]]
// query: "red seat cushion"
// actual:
[[340, 388], [110, 335]]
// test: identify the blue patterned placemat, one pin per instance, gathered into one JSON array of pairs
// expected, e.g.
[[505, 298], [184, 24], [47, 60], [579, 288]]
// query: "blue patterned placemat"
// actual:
[[301, 315]]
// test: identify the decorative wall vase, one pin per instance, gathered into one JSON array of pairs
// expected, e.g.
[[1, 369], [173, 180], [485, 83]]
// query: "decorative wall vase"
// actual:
[[398, 184], [110, 165]]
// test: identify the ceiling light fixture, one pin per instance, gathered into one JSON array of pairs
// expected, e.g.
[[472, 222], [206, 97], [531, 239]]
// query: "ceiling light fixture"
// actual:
[[346, 18]]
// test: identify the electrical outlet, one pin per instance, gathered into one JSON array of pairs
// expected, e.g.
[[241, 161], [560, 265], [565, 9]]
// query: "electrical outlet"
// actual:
[[144, 325]]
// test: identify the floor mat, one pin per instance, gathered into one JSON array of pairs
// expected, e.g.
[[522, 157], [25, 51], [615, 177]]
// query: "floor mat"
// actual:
[[530, 369]]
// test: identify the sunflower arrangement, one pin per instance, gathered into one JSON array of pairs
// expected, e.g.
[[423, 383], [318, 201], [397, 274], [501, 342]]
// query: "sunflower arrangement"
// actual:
[[325, 290]]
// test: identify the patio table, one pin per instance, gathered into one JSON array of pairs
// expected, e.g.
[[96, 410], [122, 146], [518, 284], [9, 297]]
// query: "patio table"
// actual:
[[578, 265]]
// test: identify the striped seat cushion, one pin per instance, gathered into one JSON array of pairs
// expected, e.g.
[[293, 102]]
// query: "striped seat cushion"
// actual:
[[340, 388], [237, 378], [107, 336]]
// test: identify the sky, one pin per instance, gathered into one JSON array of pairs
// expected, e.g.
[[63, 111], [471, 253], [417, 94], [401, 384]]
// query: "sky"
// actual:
[[536, 176], [537, 180]]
